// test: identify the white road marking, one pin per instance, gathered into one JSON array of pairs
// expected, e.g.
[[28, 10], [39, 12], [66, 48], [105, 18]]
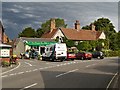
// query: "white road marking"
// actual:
[[4, 76], [12, 69], [35, 69], [111, 81], [20, 72], [11, 74], [28, 63], [67, 72], [29, 86], [88, 65], [41, 68], [91, 65]]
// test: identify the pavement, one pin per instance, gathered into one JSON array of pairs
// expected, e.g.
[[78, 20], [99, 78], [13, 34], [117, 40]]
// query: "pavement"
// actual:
[[93, 73]]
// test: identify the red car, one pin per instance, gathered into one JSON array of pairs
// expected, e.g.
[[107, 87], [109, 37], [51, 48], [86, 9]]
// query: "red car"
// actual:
[[71, 55], [84, 55]]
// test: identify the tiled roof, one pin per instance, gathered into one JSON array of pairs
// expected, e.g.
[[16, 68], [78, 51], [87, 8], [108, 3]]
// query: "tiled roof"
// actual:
[[73, 34], [49, 34]]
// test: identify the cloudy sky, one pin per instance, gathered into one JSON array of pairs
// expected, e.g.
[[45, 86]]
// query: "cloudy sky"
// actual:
[[18, 15]]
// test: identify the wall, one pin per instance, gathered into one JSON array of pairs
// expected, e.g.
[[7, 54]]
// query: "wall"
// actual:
[[19, 48], [58, 33]]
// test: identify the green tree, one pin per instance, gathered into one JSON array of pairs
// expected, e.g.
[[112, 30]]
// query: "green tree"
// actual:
[[27, 32], [39, 32], [84, 46], [118, 40], [58, 22], [105, 25]]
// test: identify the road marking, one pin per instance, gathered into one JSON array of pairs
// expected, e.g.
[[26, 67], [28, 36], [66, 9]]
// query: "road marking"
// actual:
[[12, 69], [11, 74], [90, 65], [20, 72], [35, 69], [67, 73], [29, 86], [4, 76], [111, 81], [28, 63]]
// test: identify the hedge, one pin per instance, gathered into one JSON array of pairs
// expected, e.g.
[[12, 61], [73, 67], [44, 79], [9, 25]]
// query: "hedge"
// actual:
[[111, 53]]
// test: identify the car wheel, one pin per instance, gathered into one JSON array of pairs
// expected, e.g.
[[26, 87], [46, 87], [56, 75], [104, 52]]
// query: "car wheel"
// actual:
[[72, 59], [89, 58], [101, 57]]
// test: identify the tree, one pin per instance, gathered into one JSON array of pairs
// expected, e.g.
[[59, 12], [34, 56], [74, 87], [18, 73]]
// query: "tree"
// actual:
[[118, 40], [84, 46], [58, 22], [105, 25], [27, 32], [39, 32]]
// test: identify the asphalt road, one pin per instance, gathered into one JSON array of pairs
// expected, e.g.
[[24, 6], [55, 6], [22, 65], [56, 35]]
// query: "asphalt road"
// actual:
[[28, 74]]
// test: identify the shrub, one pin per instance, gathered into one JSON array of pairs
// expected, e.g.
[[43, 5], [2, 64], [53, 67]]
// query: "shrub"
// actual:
[[111, 53], [5, 63], [39, 57]]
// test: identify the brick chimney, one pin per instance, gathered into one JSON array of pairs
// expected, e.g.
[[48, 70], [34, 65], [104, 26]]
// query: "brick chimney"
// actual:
[[77, 25], [93, 27], [52, 24]]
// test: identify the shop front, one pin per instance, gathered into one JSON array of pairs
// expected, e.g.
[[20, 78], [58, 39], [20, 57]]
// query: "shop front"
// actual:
[[38, 46]]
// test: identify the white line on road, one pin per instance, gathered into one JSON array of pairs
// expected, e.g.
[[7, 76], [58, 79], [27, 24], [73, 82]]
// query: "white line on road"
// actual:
[[28, 63], [111, 81], [29, 86], [67, 72], [20, 72], [12, 69], [90, 65], [35, 69], [4, 76]]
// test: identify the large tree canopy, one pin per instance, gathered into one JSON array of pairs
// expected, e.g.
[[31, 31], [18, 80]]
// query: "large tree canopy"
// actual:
[[105, 25], [28, 32], [46, 26]]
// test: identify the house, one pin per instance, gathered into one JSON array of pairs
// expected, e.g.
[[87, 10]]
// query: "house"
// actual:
[[3, 37], [75, 34], [1, 32], [22, 44]]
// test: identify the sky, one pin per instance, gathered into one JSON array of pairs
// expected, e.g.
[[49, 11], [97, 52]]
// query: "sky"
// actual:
[[18, 15]]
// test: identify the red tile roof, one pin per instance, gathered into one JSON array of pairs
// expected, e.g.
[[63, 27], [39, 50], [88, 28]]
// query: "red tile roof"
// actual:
[[73, 34], [49, 34]]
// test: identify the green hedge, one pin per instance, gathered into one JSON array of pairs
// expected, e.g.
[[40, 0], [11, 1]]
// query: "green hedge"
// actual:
[[111, 53]]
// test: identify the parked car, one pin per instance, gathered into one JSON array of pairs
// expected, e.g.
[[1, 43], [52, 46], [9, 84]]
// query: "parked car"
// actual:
[[84, 55], [98, 54], [71, 56]]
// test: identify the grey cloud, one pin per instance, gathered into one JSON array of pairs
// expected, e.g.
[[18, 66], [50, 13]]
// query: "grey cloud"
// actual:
[[61, 1], [34, 13]]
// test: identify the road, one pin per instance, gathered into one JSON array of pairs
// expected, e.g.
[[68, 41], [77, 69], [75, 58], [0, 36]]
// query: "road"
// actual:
[[28, 74]]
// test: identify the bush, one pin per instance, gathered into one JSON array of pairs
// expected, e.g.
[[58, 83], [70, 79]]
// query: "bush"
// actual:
[[39, 57], [5, 63], [111, 53]]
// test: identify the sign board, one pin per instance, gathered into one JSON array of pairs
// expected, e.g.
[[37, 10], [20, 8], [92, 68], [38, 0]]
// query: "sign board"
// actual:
[[4, 53]]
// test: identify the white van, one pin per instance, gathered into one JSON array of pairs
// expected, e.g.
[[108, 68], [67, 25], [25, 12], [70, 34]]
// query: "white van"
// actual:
[[56, 51]]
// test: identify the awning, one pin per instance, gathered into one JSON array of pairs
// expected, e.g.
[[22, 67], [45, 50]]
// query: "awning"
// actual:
[[39, 43], [4, 45]]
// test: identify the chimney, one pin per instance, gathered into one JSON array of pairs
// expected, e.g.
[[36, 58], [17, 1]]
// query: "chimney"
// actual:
[[52, 24], [77, 25], [93, 27]]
